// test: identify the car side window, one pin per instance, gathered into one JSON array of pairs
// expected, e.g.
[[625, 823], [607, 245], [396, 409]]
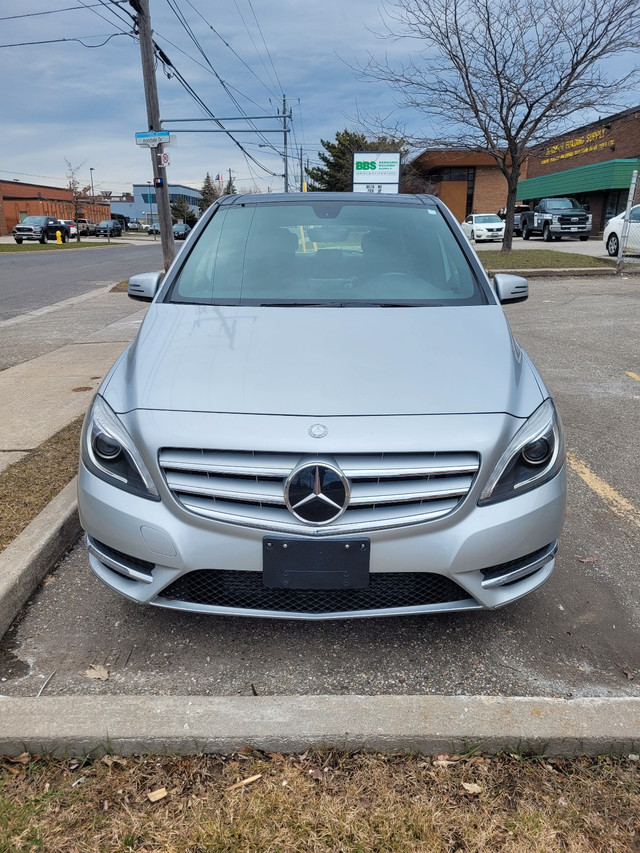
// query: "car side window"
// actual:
[[634, 214]]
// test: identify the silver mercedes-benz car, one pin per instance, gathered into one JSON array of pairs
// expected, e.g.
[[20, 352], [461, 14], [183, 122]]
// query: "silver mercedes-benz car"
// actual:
[[324, 415]]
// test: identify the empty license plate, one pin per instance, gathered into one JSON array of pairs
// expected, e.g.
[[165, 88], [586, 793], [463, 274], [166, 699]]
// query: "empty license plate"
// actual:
[[304, 564]]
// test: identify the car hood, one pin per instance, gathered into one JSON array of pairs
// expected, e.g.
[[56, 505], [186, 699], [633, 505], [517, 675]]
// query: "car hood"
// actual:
[[324, 362]]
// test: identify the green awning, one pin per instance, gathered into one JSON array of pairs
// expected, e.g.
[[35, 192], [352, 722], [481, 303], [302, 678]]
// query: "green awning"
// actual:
[[612, 175]]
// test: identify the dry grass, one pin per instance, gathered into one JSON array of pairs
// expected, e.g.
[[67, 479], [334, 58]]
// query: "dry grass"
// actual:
[[529, 259], [320, 801], [28, 485]]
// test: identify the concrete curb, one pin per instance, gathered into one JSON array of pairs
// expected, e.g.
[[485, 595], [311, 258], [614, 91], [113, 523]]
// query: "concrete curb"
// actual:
[[27, 560], [183, 725]]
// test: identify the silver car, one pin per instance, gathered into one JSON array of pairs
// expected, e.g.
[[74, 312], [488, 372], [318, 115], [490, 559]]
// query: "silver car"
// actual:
[[323, 416]]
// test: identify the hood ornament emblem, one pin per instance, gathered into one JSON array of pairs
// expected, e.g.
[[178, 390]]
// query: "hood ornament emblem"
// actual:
[[318, 431]]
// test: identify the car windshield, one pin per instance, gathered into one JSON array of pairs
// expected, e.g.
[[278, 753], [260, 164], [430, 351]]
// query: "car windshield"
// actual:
[[327, 253], [566, 204], [105, 223], [33, 220], [484, 218]]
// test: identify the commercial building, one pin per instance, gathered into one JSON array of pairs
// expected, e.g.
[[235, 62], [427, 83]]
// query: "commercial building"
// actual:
[[19, 199], [593, 163], [141, 204], [466, 181]]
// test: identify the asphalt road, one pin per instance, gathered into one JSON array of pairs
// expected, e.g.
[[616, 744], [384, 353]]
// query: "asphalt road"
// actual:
[[575, 637], [30, 281]]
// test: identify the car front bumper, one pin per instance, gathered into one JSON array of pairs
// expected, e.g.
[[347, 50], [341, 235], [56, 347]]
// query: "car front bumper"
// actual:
[[471, 558]]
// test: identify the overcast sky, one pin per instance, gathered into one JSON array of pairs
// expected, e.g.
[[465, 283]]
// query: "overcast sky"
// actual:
[[62, 100]]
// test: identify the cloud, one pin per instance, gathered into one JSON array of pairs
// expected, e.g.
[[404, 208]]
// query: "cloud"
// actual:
[[67, 101]]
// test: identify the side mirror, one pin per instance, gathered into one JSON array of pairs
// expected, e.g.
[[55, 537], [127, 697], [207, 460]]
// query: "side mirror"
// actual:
[[144, 286], [510, 288]]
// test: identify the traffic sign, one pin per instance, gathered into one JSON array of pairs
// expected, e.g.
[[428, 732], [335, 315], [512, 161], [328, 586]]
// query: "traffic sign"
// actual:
[[153, 138], [163, 159]]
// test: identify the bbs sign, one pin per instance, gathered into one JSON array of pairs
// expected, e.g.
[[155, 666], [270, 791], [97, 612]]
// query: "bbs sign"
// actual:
[[376, 171]]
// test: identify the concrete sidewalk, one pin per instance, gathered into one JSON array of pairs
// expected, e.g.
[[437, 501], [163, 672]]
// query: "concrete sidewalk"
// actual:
[[40, 396]]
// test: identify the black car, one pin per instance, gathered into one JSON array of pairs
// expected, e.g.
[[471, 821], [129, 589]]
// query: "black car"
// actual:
[[109, 228], [154, 229], [180, 231]]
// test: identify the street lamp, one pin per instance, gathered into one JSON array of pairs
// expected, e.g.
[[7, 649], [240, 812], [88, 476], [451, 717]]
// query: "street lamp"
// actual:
[[93, 198]]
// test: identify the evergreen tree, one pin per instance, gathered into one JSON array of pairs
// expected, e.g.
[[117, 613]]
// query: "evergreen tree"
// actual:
[[337, 173], [209, 193], [230, 188], [180, 210]]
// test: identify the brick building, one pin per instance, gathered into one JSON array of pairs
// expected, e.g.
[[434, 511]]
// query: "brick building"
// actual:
[[593, 163], [19, 199], [467, 182]]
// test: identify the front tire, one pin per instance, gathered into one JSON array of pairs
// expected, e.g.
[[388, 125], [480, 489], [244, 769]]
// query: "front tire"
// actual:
[[65, 237], [613, 245], [18, 241], [547, 236], [584, 238], [44, 238], [525, 232]]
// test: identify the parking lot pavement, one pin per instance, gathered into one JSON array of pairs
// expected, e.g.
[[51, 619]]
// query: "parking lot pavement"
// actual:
[[593, 247], [576, 637]]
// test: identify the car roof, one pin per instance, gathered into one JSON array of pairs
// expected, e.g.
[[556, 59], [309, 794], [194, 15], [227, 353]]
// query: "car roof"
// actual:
[[306, 198]]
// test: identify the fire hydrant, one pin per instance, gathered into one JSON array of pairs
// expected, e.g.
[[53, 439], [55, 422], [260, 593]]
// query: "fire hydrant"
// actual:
[[59, 237]]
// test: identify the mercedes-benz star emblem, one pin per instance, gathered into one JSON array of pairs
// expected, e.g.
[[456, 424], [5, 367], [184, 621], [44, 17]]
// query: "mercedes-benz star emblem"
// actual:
[[318, 431], [316, 493]]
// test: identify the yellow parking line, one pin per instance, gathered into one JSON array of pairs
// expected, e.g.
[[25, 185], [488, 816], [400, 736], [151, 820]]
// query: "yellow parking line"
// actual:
[[614, 501], [633, 375]]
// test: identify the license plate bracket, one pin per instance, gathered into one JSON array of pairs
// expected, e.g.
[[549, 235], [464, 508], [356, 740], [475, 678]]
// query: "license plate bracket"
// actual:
[[315, 564]]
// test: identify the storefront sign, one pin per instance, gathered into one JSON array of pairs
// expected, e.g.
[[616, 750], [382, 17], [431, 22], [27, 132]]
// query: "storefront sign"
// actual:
[[593, 141]]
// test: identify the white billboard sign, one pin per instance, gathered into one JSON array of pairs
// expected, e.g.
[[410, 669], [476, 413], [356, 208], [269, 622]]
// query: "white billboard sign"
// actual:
[[376, 171]]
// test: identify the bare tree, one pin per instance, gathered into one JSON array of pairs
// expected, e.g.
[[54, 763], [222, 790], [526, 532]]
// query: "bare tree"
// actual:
[[79, 194], [495, 77]]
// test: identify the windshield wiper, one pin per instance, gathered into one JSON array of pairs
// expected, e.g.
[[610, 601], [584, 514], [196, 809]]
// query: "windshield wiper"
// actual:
[[342, 303]]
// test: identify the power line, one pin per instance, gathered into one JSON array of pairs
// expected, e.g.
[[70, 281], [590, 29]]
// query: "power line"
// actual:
[[255, 18], [253, 42], [53, 11], [56, 41], [234, 52], [187, 27]]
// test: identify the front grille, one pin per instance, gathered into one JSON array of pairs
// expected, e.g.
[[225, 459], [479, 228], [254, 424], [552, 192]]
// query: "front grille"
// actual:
[[572, 220], [387, 489], [219, 588]]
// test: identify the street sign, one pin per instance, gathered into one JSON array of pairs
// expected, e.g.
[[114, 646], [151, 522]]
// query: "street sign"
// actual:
[[163, 159], [153, 138]]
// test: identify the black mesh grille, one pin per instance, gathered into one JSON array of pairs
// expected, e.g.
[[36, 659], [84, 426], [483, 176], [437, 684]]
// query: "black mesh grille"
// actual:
[[245, 590]]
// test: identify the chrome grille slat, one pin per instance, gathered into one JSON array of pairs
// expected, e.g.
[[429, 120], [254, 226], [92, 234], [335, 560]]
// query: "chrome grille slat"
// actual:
[[387, 490], [271, 518]]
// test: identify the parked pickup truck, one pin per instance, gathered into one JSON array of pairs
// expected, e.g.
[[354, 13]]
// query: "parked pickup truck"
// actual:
[[86, 228], [40, 228], [555, 218]]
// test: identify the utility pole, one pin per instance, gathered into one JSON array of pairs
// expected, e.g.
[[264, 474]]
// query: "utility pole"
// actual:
[[147, 55], [285, 129]]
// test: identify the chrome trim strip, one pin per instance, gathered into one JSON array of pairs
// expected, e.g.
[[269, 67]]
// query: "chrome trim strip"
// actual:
[[116, 565], [522, 571]]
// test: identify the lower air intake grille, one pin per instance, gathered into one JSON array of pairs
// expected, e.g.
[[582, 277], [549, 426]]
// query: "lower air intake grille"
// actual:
[[245, 590]]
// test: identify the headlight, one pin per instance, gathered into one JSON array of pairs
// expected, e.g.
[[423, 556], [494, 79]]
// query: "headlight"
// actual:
[[535, 454], [108, 452]]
